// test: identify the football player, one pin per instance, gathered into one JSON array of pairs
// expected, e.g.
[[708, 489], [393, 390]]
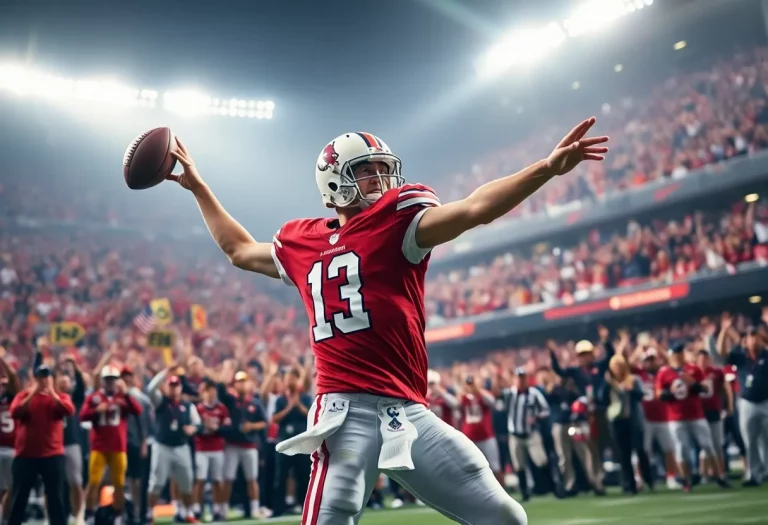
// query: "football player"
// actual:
[[107, 409], [248, 419], [361, 278], [679, 384], [714, 390], [209, 451], [656, 415], [477, 406]]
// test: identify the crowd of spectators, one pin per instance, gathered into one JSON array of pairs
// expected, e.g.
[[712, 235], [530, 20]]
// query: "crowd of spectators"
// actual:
[[104, 281], [689, 121], [702, 332], [657, 251]]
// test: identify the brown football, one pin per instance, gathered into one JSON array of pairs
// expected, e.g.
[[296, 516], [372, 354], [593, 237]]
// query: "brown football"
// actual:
[[148, 160]]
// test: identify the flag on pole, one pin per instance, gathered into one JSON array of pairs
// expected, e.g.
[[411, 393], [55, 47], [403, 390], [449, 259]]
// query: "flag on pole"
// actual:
[[145, 321]]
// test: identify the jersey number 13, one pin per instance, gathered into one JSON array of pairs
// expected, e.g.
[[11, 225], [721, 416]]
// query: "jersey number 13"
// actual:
[[318, 276]]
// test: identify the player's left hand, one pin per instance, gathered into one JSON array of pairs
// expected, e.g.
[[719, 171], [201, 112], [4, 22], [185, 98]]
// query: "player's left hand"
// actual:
[[189, 430], [574, 149]]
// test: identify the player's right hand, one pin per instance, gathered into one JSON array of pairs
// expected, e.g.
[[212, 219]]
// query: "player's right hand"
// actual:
[[190, 179], [102, 407]]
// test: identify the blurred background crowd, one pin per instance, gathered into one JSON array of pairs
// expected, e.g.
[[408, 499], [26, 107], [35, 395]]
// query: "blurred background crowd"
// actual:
[[663, 244]]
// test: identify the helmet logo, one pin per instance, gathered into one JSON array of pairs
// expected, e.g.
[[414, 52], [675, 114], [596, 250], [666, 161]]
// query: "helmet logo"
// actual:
[[334, 238], [328, 158]]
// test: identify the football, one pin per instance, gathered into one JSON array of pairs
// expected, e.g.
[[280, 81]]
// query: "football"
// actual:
[[148, 160]]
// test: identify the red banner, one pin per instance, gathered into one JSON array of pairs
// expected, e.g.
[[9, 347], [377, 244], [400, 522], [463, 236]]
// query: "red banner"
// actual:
[[622, 301], [445, 333]]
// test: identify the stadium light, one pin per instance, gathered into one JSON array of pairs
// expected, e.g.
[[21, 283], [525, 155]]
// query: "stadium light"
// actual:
[[23, 81], [524, 46]]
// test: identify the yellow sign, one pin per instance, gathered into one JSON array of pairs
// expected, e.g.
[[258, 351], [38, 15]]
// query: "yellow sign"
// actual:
[[66, 333], [161, 311], [199, 317], [161, 339]]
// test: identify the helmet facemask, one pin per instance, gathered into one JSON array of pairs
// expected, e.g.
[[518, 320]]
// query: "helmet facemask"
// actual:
[[350, 184]]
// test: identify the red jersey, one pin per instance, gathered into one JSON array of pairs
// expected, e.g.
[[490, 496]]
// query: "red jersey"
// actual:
[[363, 289], [712, 389], [207, 440], [476, 418], [109, 431], [654, 409], [40, 424], [686, 406], [441, 408], [7, 424]]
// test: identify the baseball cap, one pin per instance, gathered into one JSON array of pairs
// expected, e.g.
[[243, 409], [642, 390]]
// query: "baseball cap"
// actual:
[[520, 371], [110, 372], [208, 383], [174, 380], [43, 371], [649, 353], [126, 371], [584, 346], [241, 376]]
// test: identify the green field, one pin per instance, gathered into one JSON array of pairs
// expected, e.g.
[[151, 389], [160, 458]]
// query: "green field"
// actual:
[[704, 506]]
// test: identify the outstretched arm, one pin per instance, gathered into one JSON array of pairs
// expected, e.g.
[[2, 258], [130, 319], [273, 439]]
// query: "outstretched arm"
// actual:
[[497, 198], [234, 240]]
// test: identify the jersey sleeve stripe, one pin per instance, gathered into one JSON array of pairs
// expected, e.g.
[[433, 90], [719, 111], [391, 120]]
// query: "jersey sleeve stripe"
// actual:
[[280, 270], [409, 193], [424, 201]]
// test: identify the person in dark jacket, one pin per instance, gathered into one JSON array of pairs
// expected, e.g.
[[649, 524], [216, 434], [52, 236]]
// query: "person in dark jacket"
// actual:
[[625, 414], [291, 418], [589, 380], [176, 420], [561, 396], [71, 382]]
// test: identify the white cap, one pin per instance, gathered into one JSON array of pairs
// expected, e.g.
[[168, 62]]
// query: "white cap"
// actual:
[[110, 371], [433, 376]]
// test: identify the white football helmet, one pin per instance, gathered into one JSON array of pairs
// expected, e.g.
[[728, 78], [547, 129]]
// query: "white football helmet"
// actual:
[[335, 169]]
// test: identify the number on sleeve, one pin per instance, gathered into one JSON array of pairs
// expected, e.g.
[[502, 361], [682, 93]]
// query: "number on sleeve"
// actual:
[[358, 318], [6, 423], [707, 388], [648, 392]]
